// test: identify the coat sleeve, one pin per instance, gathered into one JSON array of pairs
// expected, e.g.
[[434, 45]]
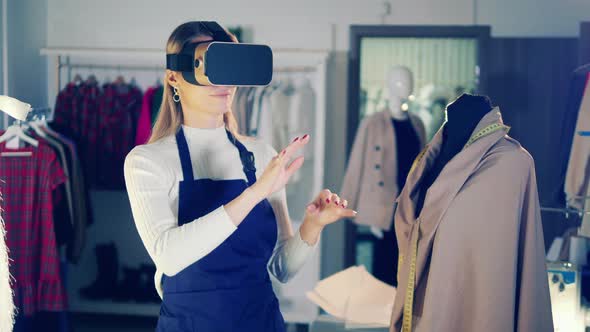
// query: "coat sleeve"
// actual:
[[351, 184], [533, 306]]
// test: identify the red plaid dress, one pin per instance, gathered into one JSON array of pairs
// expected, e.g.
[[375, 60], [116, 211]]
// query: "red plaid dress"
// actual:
[[27, 185], [88, 121], [64, 114], [118, 112]]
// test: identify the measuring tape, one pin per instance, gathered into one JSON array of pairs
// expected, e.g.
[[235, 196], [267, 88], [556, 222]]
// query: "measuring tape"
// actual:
[[409, 300], [486, 131]]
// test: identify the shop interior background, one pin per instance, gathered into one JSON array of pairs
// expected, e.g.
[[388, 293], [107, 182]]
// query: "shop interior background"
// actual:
[[534, 48]]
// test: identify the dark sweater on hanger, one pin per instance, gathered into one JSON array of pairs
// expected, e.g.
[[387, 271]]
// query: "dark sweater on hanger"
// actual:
[[463, 115]]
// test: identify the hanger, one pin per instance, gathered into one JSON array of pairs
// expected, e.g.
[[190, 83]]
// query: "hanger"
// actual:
[[77, 79], [16, 130]]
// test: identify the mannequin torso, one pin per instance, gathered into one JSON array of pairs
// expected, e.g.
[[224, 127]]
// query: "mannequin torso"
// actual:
[[463, 115]]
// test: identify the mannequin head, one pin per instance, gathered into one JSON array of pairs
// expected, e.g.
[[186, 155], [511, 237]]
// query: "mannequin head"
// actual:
[[400, 84]]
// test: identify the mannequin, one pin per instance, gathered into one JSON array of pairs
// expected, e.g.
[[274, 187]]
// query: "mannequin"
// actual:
[[472, 254], [463, 115], [407, 145], [401, 85]]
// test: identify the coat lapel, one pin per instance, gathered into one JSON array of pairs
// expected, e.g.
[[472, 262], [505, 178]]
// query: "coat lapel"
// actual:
[[438, 198]]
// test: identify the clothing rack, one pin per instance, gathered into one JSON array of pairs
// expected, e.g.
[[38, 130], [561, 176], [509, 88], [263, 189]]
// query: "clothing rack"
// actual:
[[566, 211], [62, 54]]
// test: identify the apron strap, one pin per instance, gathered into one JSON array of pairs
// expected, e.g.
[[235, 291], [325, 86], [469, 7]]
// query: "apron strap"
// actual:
[[185, 157], [246, 157]]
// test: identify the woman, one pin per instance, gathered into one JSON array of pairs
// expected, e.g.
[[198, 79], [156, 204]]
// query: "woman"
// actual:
[[209, 223]]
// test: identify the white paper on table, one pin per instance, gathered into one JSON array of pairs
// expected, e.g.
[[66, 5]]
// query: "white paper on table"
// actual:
[[370, 303], [336, 289], [325, 305]]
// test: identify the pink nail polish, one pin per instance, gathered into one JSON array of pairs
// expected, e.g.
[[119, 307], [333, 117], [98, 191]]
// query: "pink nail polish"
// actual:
[[296, 139], [306, 135], [327, 200]]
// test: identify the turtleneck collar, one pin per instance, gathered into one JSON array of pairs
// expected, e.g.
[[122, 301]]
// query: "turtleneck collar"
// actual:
[[205, 136]]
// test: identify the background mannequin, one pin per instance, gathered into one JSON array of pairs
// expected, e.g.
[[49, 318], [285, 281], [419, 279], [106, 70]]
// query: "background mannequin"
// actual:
[[407, 144], [463, 115], [401, 85]]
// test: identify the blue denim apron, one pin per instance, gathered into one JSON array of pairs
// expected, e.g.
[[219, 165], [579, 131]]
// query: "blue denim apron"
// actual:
[[229, 289]]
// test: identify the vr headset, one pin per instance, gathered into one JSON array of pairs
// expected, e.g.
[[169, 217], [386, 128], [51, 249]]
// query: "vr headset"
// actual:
[[222, 62]]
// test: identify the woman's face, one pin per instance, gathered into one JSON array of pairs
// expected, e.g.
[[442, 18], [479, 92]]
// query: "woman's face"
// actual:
[[211, 99]]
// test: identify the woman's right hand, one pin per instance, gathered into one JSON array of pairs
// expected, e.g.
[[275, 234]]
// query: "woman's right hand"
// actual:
[[278, 172]]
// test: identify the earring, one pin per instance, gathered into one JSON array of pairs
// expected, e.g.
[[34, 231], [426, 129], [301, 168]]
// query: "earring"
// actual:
[[176, 96]]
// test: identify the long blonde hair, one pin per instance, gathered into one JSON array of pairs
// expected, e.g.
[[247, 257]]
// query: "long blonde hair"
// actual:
[[170, 117]]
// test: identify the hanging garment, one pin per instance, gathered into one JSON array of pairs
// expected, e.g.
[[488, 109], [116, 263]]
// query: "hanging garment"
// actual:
[[87, 108], [232, 280], [82, 196], [568, 119], [64, 114], [577, 178], [82, 210], [144, 123], [370, 182], [119, 111], [156, 103], [239, 107], [280, 103], [28, 185], [385, 253], [261, 122], [300, 117], [474, 259]]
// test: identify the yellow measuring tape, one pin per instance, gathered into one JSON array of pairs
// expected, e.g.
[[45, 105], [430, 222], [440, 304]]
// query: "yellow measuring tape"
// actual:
[[409, 300]]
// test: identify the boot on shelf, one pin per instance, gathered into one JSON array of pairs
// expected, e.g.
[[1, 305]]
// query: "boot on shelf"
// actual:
[[129, 289], [105, 284]]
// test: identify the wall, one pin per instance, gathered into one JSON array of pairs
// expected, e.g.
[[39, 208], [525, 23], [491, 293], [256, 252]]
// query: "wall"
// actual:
[[533, 18], [2, 18], [26, 70]]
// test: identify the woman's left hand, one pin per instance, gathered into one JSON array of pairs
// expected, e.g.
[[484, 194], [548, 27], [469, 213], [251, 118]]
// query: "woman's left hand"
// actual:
[[328, 208]]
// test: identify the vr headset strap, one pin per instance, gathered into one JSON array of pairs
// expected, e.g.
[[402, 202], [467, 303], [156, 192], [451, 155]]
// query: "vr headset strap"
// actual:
[[185, 62]]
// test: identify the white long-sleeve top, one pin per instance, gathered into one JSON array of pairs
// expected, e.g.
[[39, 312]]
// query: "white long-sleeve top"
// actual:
[[152, 175]]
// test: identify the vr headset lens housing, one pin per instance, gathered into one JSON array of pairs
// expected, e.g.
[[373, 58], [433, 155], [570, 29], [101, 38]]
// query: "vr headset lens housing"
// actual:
[[223, 64]]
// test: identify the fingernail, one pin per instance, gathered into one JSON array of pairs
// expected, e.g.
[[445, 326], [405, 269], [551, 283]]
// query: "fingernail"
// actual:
[[327, 200], [354, 212], [283, 152], [306, 135], [296, 139]]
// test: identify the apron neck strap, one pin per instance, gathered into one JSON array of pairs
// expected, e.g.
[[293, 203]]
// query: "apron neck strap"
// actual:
[[247, 157], [185, 157]]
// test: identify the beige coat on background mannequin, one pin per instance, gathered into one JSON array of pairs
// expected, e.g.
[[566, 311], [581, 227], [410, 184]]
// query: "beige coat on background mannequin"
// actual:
[[480, 257], [370, 182]]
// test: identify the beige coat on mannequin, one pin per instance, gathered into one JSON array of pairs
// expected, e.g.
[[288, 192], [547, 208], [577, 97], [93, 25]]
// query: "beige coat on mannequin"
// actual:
[[480, 262], [370, 182]]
